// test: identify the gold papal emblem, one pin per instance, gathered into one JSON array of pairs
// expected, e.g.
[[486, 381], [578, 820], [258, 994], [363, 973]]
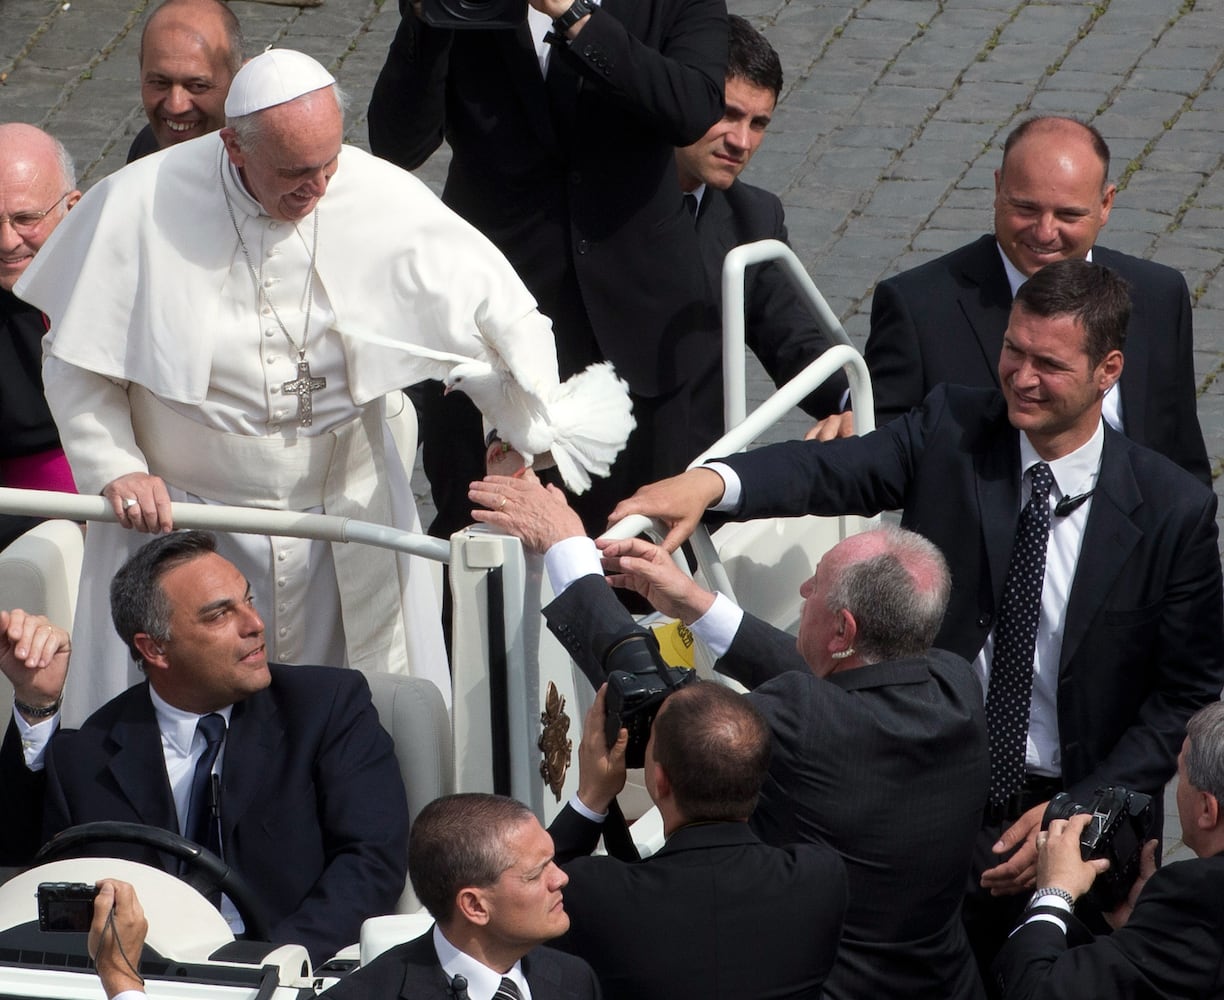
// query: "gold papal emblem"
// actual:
[[553, 741]]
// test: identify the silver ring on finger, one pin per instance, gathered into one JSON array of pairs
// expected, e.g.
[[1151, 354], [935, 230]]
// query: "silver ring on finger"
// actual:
[[502, 505], [130, 502]]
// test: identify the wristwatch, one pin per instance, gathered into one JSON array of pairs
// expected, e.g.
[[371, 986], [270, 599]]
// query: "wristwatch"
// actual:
[[1062, 894], [578, 10]]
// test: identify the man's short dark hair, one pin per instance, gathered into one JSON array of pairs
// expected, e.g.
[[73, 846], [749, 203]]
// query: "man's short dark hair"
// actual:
[[461, 840], [236, 44], [1205, 752], [714, 747], [750, 57], [897, 597], [138, 602], [1096, 296], [1040, 122]]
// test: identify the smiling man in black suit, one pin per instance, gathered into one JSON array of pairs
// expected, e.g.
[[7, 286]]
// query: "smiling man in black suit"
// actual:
[[943, 321]]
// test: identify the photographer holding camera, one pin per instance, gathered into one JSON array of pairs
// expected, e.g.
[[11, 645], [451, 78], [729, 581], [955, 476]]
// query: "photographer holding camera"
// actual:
[[1169, 933], [879, 741], [715, 912]]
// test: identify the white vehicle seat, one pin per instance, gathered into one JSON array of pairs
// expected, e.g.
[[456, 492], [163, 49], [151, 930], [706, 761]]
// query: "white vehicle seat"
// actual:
[[40, 571], [412, 711]]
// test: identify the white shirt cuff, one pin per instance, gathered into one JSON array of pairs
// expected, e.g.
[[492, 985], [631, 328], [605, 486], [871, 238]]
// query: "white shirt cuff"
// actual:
[[732, 488], [129, 995], [717, 627], [1049, 918], [34, 738], [586, 813], [569, 560]]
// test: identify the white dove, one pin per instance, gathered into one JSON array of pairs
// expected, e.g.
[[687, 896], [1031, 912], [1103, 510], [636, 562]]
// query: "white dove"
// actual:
[[584, 421]]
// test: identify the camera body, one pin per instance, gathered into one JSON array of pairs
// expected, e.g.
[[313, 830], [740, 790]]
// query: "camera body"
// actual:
[[65, 906], [639, 681], [474, 13], [1122, 821]]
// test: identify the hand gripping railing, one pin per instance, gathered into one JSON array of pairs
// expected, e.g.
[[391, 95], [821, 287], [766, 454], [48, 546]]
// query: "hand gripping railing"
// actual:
[[743, 429], [244, 520]]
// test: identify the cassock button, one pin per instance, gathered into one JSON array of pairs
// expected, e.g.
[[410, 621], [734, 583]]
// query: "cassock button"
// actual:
[[272, 359]]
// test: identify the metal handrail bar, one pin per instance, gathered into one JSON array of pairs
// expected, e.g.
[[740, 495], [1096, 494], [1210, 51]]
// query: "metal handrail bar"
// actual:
[[244, 520], [735, 266]]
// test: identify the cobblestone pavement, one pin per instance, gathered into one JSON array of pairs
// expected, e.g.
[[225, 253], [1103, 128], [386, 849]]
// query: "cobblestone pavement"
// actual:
[[885, 138]]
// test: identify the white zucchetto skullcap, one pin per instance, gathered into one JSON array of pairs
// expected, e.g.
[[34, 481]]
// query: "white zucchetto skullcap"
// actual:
[[272, 78]]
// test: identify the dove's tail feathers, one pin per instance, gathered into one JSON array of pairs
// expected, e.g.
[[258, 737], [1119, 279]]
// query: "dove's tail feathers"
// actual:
[[591, 416]]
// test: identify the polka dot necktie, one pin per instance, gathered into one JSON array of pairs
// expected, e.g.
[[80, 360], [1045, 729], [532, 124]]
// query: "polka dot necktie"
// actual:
[[507, 990], [1015, 643]]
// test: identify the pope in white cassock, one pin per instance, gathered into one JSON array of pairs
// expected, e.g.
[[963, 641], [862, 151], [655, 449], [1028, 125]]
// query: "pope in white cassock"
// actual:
[[197, 299]]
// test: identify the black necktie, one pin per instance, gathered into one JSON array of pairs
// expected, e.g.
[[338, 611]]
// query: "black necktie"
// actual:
[[690, 204], [1015, 643], [507, 990], [200, 827]]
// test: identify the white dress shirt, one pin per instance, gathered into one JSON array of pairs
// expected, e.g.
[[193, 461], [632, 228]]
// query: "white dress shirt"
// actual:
[[482, 981]]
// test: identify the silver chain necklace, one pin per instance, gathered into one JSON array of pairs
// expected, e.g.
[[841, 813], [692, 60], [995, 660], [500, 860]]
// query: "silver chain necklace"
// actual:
[[305, 385]]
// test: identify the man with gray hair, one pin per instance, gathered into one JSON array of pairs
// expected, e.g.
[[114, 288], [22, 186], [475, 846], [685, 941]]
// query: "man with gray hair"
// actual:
[[483, 867], [879, 744], [200, 350], [1168, 935], [37, 188]]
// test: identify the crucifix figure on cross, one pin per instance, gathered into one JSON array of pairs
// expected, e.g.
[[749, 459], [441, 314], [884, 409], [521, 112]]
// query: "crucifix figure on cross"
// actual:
[[304, 387]]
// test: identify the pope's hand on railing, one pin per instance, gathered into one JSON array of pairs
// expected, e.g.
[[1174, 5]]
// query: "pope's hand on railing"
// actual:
[[678, 502], [140, 501]]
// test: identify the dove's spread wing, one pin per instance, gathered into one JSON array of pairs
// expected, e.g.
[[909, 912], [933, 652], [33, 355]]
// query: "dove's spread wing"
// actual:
[[441, 362], [591, 416]]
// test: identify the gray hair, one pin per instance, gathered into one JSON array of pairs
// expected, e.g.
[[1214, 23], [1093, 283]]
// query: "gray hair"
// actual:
[[66, 167], [249, 128], [1205, 750], [898, 597]]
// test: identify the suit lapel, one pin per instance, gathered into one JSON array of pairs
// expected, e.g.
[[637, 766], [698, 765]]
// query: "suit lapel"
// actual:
[[987, 302], [138, 764], [996, 464], [254, 734], [423, 976], [1109, 537]]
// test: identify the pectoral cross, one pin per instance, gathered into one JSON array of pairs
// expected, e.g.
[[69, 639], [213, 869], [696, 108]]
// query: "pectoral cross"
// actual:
[[304, 387]]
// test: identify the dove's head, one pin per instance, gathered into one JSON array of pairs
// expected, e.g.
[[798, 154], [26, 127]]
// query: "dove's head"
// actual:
[[469, 375]]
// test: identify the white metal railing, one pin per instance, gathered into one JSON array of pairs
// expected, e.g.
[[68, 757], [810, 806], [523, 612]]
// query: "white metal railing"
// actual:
[[244, 520]]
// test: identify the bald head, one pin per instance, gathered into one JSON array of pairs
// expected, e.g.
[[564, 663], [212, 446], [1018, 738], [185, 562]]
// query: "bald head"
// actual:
[[37, 186], [1052, 192], [189, 53]]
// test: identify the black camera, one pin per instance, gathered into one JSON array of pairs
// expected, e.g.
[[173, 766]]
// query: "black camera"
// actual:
[[474, 13], [638, 682], [65, 906], [1121, 823]]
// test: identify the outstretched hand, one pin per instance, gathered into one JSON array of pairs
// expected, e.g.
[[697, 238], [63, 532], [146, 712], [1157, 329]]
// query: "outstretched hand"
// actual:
[[639, 565], [538, 515], [678, 502], [1018, 872]]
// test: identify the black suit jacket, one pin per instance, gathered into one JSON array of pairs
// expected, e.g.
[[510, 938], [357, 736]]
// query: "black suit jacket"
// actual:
[[313, 812], [1172, 946], [944, 322], [715, 913], [886, 764], [779, 328], [1143, 642], [22, 793], [412, 971], [585, 192]]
